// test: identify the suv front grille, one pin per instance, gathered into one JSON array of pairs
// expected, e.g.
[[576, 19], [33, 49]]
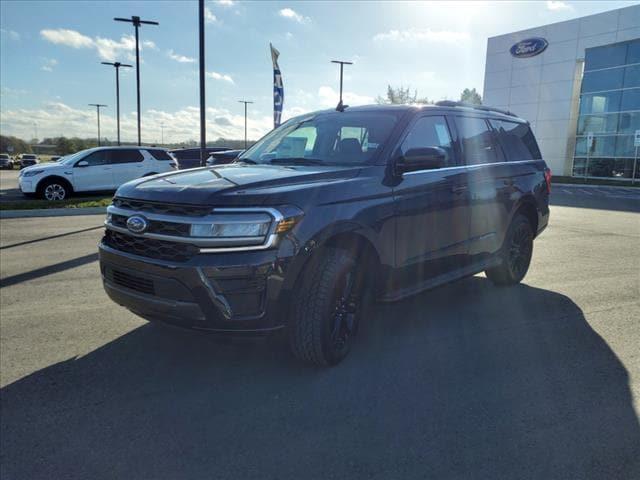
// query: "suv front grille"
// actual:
[[162, 208], [156, 226], [151, 248], [133, 282]]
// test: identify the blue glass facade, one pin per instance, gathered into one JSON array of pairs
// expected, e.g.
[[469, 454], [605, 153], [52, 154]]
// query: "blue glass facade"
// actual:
[[610, 110]]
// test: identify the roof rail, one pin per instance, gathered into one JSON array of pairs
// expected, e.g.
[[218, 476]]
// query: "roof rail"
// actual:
[[451, 103]]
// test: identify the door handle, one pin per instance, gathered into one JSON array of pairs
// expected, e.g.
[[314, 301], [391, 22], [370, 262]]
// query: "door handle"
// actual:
[[459, 188]]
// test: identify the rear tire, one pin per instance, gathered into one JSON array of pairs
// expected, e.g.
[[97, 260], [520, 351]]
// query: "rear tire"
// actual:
[[515, 254], [54, 190], [326, 309]]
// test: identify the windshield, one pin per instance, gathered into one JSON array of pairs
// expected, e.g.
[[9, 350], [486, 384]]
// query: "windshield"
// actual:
[[69, 159], [331, 138]]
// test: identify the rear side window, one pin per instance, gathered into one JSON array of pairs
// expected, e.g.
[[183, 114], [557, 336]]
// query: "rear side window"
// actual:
[[160, 154], [517, 140], [476, 141], [126, 156], [429, 131]]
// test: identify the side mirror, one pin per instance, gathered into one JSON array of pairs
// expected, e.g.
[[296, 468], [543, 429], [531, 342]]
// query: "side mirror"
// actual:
[[82, 163], [427, 158]]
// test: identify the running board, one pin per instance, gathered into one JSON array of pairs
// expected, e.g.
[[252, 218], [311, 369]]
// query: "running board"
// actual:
[[440, 280]]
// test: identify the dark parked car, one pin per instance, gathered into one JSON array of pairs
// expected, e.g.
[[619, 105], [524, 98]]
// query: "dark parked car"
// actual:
[[222, 158], [6, 162], [28, 159], [190, 157], [389, 200]]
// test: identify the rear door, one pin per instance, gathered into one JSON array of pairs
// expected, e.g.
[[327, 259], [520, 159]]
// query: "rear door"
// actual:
[[431, 207], [96, 175], [489, 185], [128, 164]]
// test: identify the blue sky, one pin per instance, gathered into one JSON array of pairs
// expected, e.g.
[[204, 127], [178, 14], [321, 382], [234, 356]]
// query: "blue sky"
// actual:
[[50, 54]]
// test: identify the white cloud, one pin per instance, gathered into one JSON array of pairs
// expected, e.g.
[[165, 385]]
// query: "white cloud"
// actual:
[[48, 64], [179, 58], [328, 97], [107, 48], [423, 35], [55, 118], [220, 76], [293, 15], [209, 17], [12, 34], [288, 35], [70, 38], [226, 3], [557, 5]]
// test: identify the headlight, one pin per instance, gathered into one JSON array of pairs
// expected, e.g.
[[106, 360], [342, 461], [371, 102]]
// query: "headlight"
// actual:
[[234, 226], [31, 173]]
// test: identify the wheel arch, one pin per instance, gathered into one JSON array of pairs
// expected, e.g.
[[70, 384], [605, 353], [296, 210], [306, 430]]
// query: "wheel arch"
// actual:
[[528, 208], [58, 178]]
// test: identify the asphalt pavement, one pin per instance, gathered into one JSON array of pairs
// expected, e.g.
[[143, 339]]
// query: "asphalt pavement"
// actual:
[[539, 381]]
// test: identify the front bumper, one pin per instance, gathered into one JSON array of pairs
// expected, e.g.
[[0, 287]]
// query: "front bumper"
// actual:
[[238, 292], [26, 185]]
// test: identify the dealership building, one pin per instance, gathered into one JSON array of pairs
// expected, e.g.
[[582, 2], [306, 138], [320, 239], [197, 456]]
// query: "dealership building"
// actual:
[[578, 84]]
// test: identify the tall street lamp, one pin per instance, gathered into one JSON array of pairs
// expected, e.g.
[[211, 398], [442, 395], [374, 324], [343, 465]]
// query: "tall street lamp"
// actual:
[[98, 105], [203, 118], [340, 106], [117, 66], [136, 23], [245, 121]]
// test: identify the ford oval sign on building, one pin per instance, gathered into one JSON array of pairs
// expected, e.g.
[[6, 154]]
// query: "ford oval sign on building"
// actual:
[[529, 47]]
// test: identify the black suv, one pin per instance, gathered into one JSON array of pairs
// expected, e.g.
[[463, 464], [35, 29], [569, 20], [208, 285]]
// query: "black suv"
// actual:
[[389, 200]]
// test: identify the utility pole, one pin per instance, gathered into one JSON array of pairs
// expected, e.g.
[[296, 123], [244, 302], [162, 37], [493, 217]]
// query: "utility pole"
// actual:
[[35, 125], [203, 118], [137, 23], [245, 120], [117, 65], [340, 106], [162, 134], [98, 105]]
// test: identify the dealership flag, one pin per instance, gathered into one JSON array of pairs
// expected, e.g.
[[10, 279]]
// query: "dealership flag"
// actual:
[[278, 89]]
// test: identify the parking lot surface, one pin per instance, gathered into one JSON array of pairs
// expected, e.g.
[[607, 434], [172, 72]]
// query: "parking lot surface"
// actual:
[[540, 380]]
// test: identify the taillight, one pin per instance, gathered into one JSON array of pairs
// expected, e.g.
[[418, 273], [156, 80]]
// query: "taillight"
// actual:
[[547, 179]]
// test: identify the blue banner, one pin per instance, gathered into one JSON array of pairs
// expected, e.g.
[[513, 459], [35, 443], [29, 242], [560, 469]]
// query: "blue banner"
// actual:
[[278, 89]]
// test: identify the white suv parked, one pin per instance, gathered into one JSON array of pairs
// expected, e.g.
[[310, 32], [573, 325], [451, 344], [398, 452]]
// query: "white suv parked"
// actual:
[[95, 169]]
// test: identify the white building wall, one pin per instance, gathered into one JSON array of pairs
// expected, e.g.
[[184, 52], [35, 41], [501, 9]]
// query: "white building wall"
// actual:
[[545, 89]]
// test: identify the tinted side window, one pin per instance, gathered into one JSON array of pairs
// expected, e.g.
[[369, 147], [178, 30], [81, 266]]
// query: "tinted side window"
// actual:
[[429, 132], [126, 156], [476, 140], [96, 158], [517, 140], [160, 154]]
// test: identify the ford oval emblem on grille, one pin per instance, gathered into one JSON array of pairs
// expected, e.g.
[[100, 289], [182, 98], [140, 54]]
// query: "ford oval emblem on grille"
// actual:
[[137, 224]]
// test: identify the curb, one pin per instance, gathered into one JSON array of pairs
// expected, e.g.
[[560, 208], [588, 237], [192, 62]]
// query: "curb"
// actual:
[[52, 212]]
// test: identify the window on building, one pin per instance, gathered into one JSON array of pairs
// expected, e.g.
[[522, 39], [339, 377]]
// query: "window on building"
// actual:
[[602, 80], [630, 100], [633, 52], [629, 122], [607, 123], [632, 76], [600, 102], [605, 57]]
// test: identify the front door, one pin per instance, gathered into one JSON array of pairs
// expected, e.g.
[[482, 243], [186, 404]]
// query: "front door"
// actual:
[[93, 172], [432, 212]]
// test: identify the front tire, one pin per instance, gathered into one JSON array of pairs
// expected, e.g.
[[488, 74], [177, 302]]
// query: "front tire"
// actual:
[[516, 253], [53, 190], [326, 309]]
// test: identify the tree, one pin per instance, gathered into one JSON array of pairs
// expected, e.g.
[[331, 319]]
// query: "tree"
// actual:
[[13, 145], [400, 95], [471, 96]]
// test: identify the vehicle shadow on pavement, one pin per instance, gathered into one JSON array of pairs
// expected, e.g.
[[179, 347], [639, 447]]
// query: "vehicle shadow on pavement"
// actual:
[[466, 381]]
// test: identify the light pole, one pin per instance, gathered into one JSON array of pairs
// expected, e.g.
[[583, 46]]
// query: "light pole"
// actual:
[[35, 125], [203, 118], [98, 105], [340, 106], [136, 23], [246, 102], [117, 65], [162, 134]]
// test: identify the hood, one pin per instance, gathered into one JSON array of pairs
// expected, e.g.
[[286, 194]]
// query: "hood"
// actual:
[[46, 167], [233, 184]]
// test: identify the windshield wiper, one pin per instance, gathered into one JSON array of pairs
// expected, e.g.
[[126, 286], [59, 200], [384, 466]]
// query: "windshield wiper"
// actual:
[[297, 161]]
